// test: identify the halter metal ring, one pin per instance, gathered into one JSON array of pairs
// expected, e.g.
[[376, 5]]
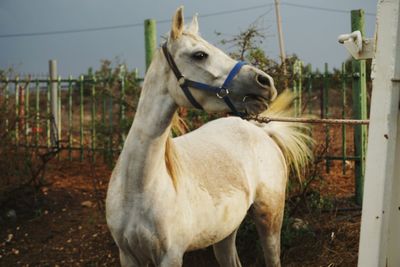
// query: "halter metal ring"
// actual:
[[181, 80], [222, 93]]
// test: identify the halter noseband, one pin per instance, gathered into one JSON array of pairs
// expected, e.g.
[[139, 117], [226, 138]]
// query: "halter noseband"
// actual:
[[221, 92]]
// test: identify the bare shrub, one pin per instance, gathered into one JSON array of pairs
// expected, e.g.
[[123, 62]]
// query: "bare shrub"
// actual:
[[22, 165]]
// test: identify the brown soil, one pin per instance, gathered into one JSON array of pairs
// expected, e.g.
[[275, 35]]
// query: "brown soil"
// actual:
[[64, 224]]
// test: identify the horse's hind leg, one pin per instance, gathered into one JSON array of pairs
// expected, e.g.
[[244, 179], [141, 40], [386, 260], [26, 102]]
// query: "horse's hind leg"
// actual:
[[225, 252], [268, 216]]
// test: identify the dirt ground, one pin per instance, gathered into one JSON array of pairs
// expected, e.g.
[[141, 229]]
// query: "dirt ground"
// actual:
[[64, 224]]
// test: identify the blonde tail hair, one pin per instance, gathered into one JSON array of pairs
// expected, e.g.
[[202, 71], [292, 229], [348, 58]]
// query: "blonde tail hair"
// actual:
[[293, 138]]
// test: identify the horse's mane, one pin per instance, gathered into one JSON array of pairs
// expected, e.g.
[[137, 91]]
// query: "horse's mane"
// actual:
[[178, 127]]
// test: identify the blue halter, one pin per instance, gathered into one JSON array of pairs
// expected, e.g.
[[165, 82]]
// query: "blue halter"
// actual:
[[221, 92]]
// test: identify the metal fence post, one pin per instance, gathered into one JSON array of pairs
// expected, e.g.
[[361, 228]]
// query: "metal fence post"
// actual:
[[70, 138], [344, 129], [122, 119], [298, 86], [150, 39], [325, 112], [81, 114], [6, 100], [309, 76], [93, 118], [359, 108], [17, 116], [54, 94]]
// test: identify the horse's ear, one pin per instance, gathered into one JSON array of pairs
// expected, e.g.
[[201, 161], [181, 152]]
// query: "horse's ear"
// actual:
[[177, 24], [194, 26]]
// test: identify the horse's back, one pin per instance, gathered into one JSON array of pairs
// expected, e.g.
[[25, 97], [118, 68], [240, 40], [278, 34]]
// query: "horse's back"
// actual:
[[229, 133], [231, 152]]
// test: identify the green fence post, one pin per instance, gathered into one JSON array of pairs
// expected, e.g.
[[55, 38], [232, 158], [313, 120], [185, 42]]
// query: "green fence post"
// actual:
[[59, 125], [325, 112], [6, 108], [70, 118], [344, 146], [27, 113], [37, 113], [300, 89], [295, 89], [81, 107], [297, 86], [48, 113], [16, 125], [122, 122], [309, 88], [294, 79], [359, 108], [150, 39], [93, 119]]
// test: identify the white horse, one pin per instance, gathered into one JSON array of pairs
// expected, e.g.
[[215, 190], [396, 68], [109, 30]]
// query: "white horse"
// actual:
[[168, 196]]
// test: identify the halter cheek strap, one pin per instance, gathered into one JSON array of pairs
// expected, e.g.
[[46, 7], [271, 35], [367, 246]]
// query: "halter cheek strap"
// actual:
[[221, 92]]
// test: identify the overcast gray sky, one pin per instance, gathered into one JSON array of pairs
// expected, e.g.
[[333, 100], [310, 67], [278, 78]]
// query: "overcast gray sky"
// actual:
[[310, 29]]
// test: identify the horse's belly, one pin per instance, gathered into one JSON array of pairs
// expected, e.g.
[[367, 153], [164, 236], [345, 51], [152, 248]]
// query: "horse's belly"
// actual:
[[220, 221]]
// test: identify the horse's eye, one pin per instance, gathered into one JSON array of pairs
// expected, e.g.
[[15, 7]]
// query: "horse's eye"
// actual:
[[199, 55]]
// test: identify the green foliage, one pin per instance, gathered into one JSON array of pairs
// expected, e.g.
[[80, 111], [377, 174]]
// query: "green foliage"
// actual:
[[4, 73], [291, 235], [245, 41], [109, 80], [317, 202]]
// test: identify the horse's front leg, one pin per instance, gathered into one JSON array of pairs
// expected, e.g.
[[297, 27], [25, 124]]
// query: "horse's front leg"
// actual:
[[172, 259], [127, 260]]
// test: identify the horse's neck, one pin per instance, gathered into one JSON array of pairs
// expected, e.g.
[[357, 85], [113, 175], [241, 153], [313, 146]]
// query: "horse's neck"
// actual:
[[143, 155]]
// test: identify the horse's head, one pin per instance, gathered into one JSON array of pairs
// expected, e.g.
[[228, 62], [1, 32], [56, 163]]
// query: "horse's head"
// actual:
[[206, 70]]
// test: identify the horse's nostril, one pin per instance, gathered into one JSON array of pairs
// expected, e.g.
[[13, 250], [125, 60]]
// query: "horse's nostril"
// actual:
[[263, 80]]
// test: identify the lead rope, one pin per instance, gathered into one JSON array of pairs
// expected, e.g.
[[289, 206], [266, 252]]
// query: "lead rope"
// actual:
[[263, 119]]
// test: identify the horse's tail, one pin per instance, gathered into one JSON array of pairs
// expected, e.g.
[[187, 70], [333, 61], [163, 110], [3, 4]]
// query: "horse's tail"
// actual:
[[294, 139]]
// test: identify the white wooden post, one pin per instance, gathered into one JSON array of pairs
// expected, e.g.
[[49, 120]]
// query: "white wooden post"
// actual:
[[54, 95], [380, 224]]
